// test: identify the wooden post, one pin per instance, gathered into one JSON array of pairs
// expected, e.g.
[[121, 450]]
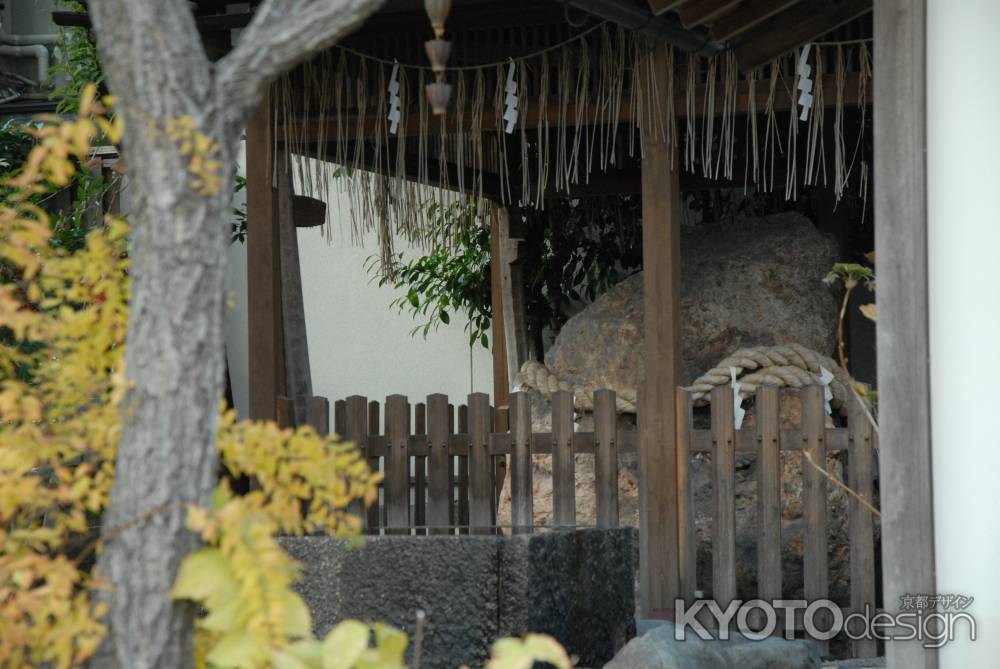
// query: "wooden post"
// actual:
[[768, 493], [521, 512], [900, 116], [439, 462], [293, 317], [606, 457], [861, 524], [723, 497], [318, 415], [501, 375], [687, 540], [397, 464], [816, 567], [658, 559], [480, 480], [420, 472], [512, 294], [265, 340], [356, 430], [563, 462], [376, 512]]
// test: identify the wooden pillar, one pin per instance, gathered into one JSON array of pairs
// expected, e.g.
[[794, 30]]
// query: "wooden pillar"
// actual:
[[501, 378], [512, 290], [900, 114], [265, 341], [658, 557]]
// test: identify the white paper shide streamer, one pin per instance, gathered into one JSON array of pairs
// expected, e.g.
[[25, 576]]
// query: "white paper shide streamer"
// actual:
[[394, 100], [805, 83], [510, 101], [738, 411]]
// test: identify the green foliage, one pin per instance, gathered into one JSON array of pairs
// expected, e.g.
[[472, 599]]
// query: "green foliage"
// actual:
[[453, 277], [575, 250], [76, 59]]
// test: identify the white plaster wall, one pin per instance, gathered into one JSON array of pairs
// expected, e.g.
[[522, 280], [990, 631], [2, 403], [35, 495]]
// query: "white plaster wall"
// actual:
[[357, 345]]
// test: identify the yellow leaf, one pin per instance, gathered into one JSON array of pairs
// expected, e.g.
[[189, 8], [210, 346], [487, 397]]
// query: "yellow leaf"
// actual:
[[345, 644], [242, 650], [522, 654], [868, 311], [391, 643], [298, 623], [200, 574]]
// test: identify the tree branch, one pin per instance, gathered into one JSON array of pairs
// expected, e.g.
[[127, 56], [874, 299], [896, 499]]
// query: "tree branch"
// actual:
[[281, 34]]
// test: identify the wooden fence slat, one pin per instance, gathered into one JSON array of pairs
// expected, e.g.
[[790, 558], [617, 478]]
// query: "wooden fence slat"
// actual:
[[339, 417], [606, 458], [463, 472], [284, 411], [439, 490], [318, 414], [356, 430], [687, 544], [860, 522], [377, 512], [419, 472], [522, 504], [723, 497], [480, 480], [563, 474], [815, 567], [767, 406], [397, 464]]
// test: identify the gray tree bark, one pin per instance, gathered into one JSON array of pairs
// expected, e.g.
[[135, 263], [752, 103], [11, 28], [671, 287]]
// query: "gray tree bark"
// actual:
[[156, 66]]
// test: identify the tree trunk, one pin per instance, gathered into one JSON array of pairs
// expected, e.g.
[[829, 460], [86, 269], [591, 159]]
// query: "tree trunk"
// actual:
[[156, 66]]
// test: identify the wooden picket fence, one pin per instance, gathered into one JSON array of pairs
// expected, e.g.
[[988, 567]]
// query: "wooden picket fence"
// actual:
[[440, 476], [766, 441]]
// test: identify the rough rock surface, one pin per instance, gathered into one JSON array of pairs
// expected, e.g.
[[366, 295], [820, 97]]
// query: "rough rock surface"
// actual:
[[577, 586], [658, 649], [746, 283]]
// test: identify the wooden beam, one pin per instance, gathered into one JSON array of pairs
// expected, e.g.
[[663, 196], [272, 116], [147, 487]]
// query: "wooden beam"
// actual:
[[802, 23], [265, 339], [663, 6], [900, 117], [747, 17], [704, 11], [658, 557]]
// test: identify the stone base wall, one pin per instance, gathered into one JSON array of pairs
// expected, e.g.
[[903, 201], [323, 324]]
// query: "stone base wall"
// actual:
[[577, 586]]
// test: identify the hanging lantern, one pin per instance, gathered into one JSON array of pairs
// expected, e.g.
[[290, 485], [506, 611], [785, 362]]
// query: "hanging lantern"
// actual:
[[437, 11], [439, 95], [438, 51]]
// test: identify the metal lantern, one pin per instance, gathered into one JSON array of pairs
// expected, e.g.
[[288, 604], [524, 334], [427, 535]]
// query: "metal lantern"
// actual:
[[437, 11]]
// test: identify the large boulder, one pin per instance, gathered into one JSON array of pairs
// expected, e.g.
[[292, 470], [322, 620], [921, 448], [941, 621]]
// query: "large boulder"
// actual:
[[659, 649], [744, 283]]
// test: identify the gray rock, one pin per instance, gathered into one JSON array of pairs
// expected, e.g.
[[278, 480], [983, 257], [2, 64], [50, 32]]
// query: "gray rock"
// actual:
[[576, 586], [658, 649], [745, 283]]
